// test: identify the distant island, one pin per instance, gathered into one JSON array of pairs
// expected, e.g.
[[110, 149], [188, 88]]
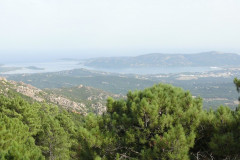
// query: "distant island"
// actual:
[[4, 69], [205, 59], [8, 69], [34, 68]]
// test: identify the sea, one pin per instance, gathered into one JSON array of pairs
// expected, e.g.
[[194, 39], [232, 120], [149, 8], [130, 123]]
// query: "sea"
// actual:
[[63, 65]]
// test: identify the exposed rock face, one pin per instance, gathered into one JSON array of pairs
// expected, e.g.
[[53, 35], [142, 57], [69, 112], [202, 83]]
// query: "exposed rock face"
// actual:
[[81, 99], [99, 108], [3, 79], [41, 96], [66, 103], [93, 99], [27, 90]]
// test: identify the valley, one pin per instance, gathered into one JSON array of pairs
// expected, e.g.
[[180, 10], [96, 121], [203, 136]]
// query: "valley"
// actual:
[[215, 87], [84, 85], [119, 80]]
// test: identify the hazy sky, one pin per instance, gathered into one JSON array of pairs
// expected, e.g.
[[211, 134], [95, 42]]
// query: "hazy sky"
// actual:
[[87, 28]]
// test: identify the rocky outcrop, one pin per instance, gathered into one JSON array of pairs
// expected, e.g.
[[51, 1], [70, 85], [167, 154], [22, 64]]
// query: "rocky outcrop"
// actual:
[[81, 99], [41, 96], [66, 103]]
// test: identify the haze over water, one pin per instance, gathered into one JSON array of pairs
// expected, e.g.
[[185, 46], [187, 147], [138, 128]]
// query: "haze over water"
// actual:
[[61, 65]]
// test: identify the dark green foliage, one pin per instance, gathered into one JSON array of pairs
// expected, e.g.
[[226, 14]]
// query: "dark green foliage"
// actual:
[[16, 141], [90, 138], [215, 91], [157, 123], [162, 122], [34, 131], [218, 135], [52, 138], [237, 84]]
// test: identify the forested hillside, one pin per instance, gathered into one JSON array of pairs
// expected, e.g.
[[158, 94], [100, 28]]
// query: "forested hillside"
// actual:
[[214, 87], [166, 60], [80, 99], [93, 99], [160, 122]]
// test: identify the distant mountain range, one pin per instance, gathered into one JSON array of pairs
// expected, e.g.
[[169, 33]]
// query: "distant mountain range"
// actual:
[[206, 59]]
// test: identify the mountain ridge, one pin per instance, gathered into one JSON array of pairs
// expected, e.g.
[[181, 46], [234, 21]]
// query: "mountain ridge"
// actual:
[[204, 59]]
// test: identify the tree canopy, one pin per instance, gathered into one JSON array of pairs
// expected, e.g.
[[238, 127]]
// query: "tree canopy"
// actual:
[[160, 122], [237, 84]]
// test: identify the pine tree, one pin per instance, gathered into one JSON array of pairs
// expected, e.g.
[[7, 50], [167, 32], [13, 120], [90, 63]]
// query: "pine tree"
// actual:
[[16, 142], [52, 138], [237, 84], [157, 123], [218, 135]]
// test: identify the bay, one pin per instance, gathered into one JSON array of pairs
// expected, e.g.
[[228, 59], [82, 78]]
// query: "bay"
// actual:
[[62, 65]]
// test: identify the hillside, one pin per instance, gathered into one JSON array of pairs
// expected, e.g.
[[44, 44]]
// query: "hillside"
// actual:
[[79, 99], [215, 87], [206, 59], [93, 99], [113, 83], [160, 122]]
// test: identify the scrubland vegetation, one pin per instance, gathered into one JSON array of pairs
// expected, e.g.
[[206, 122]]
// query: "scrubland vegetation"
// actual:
[[160, 122]]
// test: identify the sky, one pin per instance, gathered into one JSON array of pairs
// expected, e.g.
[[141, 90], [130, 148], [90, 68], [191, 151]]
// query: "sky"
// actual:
[[46, 29]]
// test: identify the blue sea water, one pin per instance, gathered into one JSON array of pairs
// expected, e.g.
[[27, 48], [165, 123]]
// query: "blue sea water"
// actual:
[[62, 65], [53, 66]]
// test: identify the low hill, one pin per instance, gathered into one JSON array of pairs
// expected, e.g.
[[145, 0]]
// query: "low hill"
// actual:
[[81, 99], [206, 59], [215, 87], [113, 83], [94, 99]]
